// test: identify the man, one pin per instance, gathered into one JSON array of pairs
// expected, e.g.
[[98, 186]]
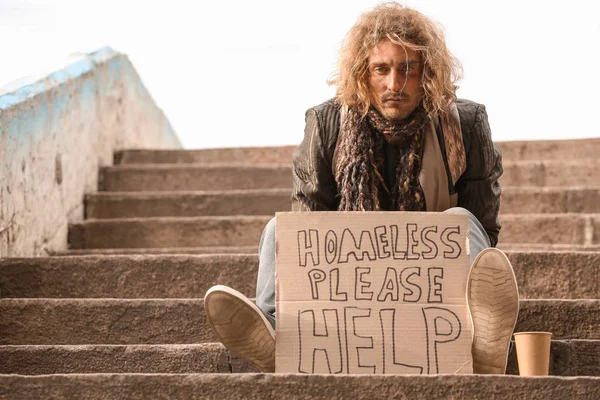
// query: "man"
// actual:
[[394, 138]]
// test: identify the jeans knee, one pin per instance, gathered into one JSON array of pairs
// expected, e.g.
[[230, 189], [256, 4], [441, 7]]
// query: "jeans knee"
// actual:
[[271, 225], [457, 210], [268, 235]]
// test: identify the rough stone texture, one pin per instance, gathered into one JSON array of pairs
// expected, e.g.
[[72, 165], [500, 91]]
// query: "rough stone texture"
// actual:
[[548, 247], [595, 229], [239, 365], [125, 276], [103, 321], [134, 178], [566, 319], [551, 173], [254, 249], [119, 321], [54, 134], [269, 201], [167, 250], [511, 151], [550, 149], [246, 230], [168, 232], [543, 228], [169, 177], [540, 275], [250, 155], [527, 200], [187, 204], [584, 358], [557, 275], [276, 386], [88, 359], [568, 358]]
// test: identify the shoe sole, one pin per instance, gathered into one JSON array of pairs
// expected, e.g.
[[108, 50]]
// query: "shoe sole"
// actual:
[[241, 326], [493, 301]]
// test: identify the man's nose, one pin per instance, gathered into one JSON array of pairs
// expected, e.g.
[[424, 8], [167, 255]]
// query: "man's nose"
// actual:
[[396, 81]]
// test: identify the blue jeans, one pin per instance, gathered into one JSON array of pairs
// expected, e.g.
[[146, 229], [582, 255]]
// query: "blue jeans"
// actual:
[[265, 283]]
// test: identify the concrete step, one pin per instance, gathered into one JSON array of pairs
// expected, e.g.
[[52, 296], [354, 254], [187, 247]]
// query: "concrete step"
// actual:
[[547, 247], [171, 177], [164, 321], [163, 232], [187, 204], [133, 277], [515, 200], [567, 358], [551, 173], [511, 151], [254, 249], [551, 149], [530, 200], [268, 201], [271, 386], [92, 359], [168, 232], [559, 275], [242, 155], [168, 250]]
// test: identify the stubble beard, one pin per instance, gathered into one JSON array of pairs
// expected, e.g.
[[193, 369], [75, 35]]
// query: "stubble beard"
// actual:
[[394, 114], [397, 114]]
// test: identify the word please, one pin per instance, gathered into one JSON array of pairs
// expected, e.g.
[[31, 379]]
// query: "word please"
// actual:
[[409, 242], [399, 284]]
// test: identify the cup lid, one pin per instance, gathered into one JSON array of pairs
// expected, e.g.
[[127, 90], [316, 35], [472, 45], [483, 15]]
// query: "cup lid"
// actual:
[[533, 333]]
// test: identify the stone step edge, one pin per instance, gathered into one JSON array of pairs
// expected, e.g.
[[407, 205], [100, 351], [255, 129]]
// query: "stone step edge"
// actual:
[[261, 386], [249, 165], [243, 217], [510, 147], [139, 358], [212, 250], [287, 191], [153, 321], [214, 357], [506, 247], [567, 228], [177, 193], [566, 275]]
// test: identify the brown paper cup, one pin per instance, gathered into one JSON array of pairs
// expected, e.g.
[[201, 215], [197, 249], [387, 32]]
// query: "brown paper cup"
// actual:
[[533, 353]]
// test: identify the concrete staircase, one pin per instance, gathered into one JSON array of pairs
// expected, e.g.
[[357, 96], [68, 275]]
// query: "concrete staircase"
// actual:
[[121, 313]]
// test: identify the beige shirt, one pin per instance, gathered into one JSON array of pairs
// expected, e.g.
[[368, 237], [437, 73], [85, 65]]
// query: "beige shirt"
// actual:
[[433, 178]]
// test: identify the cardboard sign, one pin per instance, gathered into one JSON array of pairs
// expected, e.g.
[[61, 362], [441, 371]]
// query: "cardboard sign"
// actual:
[[372, 293]]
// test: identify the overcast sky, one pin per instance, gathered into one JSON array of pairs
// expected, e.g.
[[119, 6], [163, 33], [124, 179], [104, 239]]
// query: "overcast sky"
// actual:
[[242, 73]]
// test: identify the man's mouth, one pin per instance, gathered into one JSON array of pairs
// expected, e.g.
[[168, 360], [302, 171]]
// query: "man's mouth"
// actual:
[[394, 99]]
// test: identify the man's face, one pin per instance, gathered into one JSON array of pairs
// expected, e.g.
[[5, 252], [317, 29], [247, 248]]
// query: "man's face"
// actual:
[[395, 80]]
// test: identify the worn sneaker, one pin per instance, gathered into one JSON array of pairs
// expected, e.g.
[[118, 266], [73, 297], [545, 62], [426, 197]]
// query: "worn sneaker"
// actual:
[[493, 300], [241, 326]]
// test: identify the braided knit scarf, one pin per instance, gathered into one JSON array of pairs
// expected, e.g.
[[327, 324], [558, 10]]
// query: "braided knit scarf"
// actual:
[[359, 160]]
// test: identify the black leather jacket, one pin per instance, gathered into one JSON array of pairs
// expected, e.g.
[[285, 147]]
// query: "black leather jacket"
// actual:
[[315, 188]]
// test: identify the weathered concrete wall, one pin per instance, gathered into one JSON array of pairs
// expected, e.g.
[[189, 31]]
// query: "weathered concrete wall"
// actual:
[[55, 133]]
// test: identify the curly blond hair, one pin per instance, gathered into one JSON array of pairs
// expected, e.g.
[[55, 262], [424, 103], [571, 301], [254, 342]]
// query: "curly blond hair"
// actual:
[[405, 27]]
